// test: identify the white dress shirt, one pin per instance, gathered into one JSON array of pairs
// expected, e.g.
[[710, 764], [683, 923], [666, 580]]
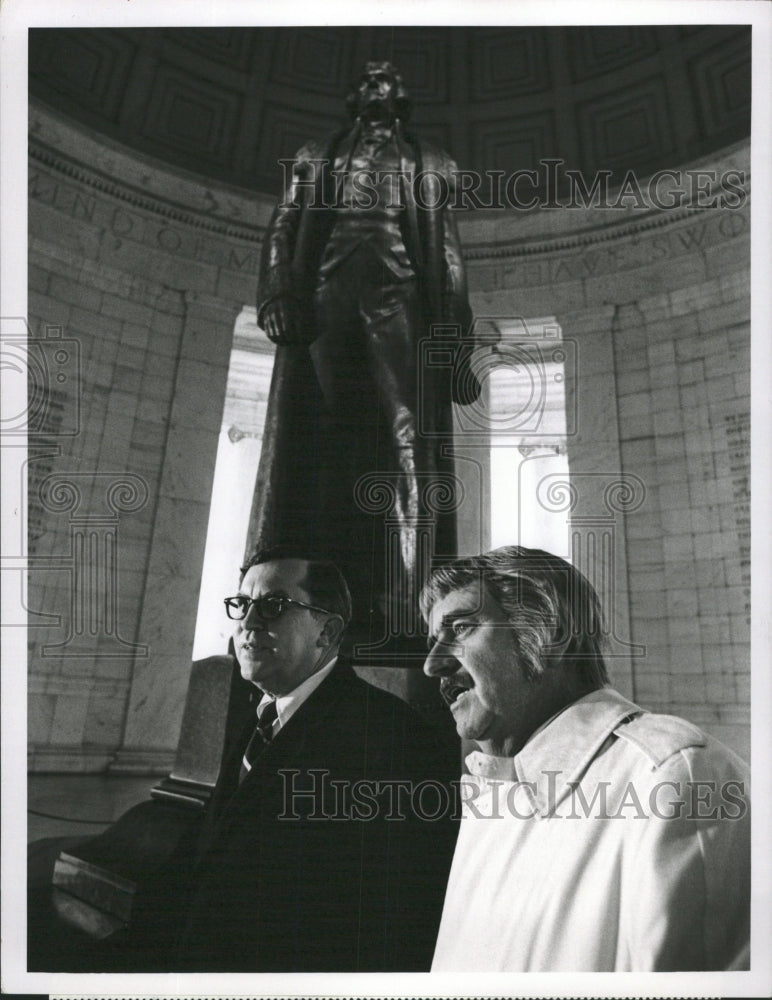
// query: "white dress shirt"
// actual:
[[567, 859], [288, 704]]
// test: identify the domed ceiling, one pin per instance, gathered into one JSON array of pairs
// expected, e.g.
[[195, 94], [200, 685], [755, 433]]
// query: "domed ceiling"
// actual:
[[228, 103]]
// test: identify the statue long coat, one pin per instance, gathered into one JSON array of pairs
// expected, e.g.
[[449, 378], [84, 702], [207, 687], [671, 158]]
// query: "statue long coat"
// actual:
[[307, 472]]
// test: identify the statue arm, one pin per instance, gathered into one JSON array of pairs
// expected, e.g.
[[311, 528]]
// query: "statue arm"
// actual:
[[466, 387], [278, 297], [458, 309]]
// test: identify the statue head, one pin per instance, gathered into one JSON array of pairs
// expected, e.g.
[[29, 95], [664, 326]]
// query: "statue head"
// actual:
[[379, 94]]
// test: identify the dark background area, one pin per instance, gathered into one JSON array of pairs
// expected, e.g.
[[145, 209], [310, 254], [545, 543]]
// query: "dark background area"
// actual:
[[228, 102]]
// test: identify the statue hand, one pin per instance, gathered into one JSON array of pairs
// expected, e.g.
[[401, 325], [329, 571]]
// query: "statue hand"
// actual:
[[281, 322]]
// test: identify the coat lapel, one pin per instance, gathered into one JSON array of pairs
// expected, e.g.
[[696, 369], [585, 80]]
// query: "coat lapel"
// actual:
[[317, 713]]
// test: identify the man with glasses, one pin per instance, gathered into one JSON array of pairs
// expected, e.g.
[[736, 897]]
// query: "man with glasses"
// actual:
[[315, 856]]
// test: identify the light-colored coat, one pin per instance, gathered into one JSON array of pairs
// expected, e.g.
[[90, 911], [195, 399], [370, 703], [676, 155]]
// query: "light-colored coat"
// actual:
[[616, 840]]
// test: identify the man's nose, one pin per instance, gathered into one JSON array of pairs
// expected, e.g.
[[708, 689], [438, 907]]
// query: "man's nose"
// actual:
[[252, 619], [441, 660]]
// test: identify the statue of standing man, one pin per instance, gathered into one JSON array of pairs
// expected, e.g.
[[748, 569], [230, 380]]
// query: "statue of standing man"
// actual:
[[360, 259]]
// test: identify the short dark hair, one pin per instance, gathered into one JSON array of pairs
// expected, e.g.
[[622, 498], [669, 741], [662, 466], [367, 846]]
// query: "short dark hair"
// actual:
[[554, 610], [402, 102], [324, 582]]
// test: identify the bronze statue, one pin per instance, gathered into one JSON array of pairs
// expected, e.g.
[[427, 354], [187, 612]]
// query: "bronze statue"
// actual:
[[360, 259]]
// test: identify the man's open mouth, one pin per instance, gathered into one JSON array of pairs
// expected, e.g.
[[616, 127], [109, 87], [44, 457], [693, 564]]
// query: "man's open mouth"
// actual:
[[451, 690]]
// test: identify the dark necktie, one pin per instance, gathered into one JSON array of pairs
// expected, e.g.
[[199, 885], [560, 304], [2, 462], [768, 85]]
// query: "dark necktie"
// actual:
[[260, 738]]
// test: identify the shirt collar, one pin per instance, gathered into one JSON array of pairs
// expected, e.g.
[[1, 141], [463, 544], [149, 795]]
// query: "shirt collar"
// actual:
[[288, 704], [560, 751]]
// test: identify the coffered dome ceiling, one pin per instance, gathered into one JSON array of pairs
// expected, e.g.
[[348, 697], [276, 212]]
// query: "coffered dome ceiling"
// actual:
[[227, 103]]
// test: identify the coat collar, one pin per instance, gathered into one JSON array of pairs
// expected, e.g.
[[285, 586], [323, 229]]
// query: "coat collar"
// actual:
[[318, 710], [559, 754]]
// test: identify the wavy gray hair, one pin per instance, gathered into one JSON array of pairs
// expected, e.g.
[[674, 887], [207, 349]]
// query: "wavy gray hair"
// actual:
[[554, 610]]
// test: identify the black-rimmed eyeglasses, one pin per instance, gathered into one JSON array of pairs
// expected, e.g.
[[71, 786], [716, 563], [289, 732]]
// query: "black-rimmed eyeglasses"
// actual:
[[268, 608]]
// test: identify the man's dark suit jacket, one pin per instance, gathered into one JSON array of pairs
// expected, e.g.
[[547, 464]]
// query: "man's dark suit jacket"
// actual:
[[278, 887]]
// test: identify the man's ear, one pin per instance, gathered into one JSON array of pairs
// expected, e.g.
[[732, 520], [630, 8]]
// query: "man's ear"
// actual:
[[331, 632]]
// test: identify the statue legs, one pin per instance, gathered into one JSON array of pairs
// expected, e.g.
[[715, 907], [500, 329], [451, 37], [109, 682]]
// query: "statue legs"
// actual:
[[366, 362]]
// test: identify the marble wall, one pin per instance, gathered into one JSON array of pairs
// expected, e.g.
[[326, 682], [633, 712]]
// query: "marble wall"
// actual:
[[140, 273], [657, 307]]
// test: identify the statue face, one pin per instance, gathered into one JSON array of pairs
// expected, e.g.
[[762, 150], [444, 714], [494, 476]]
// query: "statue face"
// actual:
[[376, 91]]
